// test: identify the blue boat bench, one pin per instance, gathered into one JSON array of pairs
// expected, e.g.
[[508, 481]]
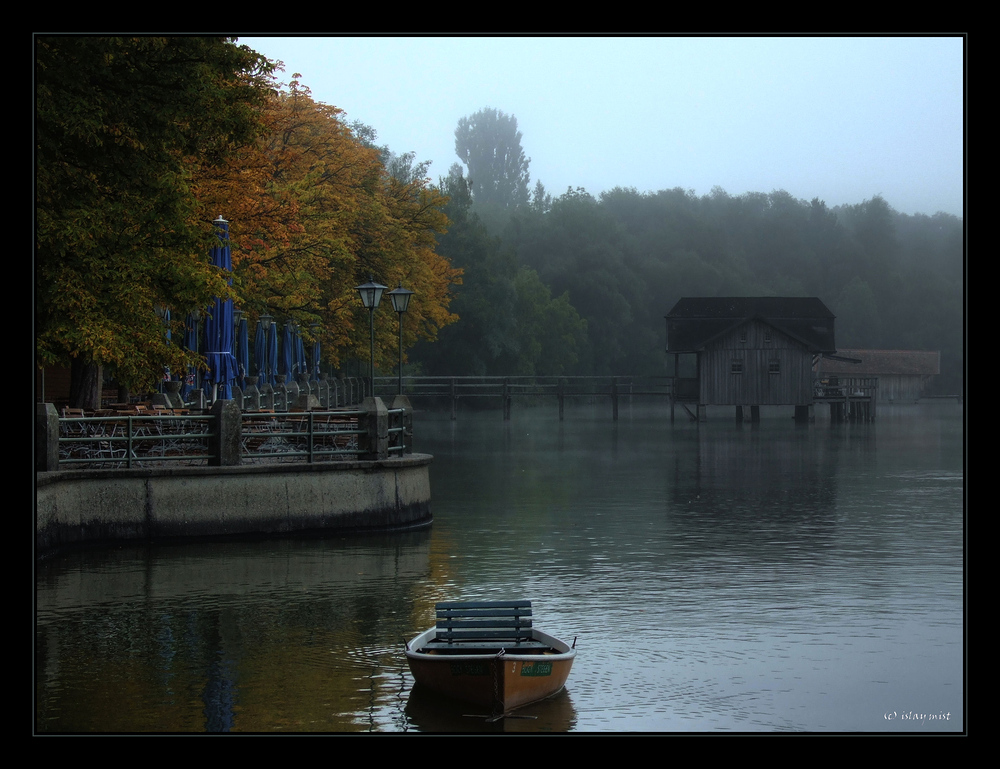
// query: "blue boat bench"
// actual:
[[484, 627]]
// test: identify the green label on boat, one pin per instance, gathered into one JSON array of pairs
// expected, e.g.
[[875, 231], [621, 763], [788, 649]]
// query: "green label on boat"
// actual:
[[536, 669]]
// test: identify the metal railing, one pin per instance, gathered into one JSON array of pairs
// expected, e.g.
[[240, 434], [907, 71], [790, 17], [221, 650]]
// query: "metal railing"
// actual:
[[263, 437], [134, 441], [295, 436], [835, 387]]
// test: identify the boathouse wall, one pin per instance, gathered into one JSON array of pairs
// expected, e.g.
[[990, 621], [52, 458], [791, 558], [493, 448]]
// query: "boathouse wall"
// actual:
[[755, 364]]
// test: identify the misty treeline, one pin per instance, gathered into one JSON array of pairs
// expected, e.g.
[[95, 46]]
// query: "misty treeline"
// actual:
[[579, 284]]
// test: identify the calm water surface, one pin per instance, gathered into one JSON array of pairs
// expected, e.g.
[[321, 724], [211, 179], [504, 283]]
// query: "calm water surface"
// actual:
[[717, 578]]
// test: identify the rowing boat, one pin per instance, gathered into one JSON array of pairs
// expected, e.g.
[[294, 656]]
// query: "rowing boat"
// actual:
[[487, 653]]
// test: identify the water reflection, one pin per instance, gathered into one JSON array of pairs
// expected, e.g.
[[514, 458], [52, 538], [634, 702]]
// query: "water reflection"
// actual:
[[718, 578]]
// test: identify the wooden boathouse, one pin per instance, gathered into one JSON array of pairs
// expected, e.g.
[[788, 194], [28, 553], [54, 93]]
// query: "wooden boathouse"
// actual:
[[750, 352]]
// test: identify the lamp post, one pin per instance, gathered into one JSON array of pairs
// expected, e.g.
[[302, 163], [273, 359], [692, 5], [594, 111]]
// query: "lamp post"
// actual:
[[400, 301], [371, 295]]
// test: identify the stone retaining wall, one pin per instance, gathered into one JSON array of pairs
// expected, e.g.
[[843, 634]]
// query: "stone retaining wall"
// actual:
[[89, 506]]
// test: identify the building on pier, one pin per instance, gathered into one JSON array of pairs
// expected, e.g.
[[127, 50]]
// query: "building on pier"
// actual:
[[904, 376], [750, 352]]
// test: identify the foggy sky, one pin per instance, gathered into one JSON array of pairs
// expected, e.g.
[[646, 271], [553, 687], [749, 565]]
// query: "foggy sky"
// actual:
[[838, 118]]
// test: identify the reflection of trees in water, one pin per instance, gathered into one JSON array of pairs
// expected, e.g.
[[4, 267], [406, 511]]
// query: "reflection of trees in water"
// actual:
[[218, 637]]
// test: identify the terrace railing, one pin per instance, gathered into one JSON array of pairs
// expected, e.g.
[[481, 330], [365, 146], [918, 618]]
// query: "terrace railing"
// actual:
[[224, 437]]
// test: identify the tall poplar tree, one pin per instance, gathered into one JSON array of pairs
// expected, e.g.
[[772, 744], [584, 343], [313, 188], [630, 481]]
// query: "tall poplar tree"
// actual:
[[489, 144]]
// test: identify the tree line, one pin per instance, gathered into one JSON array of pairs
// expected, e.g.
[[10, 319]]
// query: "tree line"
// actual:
[[142, 142], [580, 284]]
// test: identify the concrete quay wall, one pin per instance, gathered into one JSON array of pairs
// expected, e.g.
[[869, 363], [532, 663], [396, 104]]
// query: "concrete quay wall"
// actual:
[[90, 506]]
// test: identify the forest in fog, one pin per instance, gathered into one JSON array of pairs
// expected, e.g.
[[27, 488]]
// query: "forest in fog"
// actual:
[[580, 284]]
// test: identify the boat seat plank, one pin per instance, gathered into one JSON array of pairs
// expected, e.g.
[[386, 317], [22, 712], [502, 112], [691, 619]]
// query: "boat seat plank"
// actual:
[[497, 622], [482, 605], [526, 647]]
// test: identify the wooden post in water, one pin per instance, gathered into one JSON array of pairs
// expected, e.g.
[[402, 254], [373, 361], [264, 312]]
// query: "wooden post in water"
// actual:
[[505, 395], [614, 397], [454, 400], [561, 395]]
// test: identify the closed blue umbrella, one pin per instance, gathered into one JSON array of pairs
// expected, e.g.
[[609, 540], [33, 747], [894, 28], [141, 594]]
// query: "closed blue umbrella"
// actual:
[[314, 374], [272, 352], [288, 353], [191, 344], [243, 352], [260, 351], [300, 355], [314, 369], [164, 314], [222, 364]]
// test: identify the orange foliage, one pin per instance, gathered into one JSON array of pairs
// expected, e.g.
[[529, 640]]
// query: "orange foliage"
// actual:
[[312, 213]]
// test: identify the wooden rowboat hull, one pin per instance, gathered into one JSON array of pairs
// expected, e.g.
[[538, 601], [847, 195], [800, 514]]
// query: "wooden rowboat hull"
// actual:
[[498, 682]]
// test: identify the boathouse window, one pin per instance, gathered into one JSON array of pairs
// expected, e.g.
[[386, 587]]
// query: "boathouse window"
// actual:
[[774, 366], [767, 337], [743, 336], [736, 366]]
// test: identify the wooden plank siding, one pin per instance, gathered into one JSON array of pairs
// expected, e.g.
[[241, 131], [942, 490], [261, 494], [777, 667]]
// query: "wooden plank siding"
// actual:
[[759, 348]]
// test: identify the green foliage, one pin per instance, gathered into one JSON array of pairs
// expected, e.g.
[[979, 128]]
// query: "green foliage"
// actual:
[[121, 123], [624, 259], [509, 324]]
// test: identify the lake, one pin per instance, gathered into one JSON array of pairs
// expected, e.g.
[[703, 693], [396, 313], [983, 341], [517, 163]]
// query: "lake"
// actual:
[[717, 577]]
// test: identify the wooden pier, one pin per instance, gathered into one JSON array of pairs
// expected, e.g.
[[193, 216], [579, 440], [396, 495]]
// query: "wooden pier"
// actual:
[[850, 398], [593, 389]]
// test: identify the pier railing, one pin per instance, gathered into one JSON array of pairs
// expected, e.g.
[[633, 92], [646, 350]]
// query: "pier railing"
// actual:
[[504, 390], [225, 436], [850, 398]]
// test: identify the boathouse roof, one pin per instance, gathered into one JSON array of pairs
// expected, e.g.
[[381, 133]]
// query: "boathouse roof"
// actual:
[[695, 321]]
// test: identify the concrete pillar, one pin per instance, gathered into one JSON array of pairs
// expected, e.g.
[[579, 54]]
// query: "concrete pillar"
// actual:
[[252, 397], [266, 396], [374, 443], [46, 437], [280, 393], [198, 399], [307, 402], [172, 395], [226, 436]]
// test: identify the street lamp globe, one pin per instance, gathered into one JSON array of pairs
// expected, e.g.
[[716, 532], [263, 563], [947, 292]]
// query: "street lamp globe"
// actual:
[[371, 293], [400, 298]]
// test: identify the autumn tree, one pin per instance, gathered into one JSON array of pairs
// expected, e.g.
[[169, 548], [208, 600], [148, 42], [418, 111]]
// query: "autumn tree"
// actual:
[[320, 208], [120, 125]]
